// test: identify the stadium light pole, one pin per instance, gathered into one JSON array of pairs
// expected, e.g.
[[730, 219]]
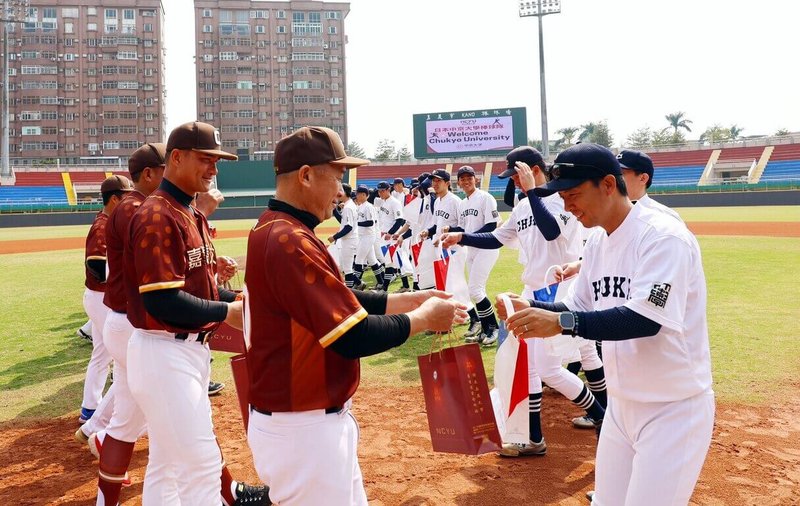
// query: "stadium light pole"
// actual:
[[540, 9], [13, 12]]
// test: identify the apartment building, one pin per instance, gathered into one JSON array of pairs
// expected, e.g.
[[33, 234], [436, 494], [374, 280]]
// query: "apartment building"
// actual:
[[86, 80], [266, 68]]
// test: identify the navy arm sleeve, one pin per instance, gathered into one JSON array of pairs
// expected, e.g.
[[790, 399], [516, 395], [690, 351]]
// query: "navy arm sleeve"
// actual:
[[372, 302], [337, 213], [226, 295], [183, 309], [545, 222], [481, 241], [343, 232], [367, 223], [372, 335], [456, 229], [431, 231], [399, 222], [510, 193], [486, 228], [615, 324], [97, 268]]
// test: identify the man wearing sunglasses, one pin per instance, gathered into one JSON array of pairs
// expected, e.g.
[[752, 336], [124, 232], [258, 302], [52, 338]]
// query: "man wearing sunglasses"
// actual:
[[641, 291]]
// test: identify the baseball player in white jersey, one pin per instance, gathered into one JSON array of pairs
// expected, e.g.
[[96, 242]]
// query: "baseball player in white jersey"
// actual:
[[367, 218], [347, 237], [390, 219], [637, 171], [399, 190], [548, 234], [419, 218], [641, 291], [477, 213]]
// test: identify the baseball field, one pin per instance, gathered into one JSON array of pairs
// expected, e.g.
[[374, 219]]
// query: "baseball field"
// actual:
[[752, 270]]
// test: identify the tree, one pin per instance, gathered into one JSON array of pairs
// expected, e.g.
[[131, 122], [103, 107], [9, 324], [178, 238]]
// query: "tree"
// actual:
[[597, 133], [355, 149], [535, 144], [664, 137], [716, 133], [640, 138], [678, 120], [735, 132], [781, 132], [567, 134], [386, 150], [403, 154]]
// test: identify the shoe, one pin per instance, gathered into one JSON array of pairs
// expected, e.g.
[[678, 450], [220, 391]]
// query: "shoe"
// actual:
[[489, 338], [84, 335], [95, 445], [475, 329], [85, 415], [249, 494], [360, 286], [584, 422], [528, 449], [473, 339], [405, 289], [215, 387], [81, 436], [590, 495]]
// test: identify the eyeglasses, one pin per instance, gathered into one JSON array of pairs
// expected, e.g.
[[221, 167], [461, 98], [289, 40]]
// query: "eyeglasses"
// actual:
[[574, 171]]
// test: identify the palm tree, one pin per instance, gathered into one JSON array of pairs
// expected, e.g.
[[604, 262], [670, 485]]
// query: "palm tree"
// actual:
[[588, 131], [677, 120], [567, 134], [735, 132]]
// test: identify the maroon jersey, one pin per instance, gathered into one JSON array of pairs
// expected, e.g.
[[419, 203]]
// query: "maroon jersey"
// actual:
[[96, 250], [116, 238], [169, 246], [296, 306]]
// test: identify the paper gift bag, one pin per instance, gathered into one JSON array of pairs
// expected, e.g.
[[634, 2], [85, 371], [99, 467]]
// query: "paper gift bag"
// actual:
[[241, 380], [460, 415], [510, 395], [449, 272], [227, 338]]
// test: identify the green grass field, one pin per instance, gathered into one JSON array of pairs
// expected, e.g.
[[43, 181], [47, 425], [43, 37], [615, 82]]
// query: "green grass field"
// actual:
[[753, 315]]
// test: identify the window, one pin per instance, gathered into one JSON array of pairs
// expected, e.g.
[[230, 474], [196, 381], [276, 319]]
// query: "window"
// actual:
[[259, 14], [148, 27], [244, 85], [332, 30], [127, 55], [335, 101], [148, 72], [148, 57], [91, 11], [209, 116], [69, 28], [111, 14], [334, 72], [30, 116], [208, 58], [298, 17], [49, 13], [208, 29], [207, 13], [261, 29], [128, 15], [281, 15], [281, 28], [91, 27], [332, 15], [228, 56], [69, 57], [314, 17]]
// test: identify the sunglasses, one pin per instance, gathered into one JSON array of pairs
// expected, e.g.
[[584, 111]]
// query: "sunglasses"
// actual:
[[574, 171]]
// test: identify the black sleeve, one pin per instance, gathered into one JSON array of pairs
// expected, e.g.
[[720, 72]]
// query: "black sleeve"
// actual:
[[615, 324], [337, 213], [226, 295], [510, 193], [545, 222], [399, 222], [367, 223], [97, 268], [343, 232], [431, 231], [556, 307], [456, 229], [372, 335], [372, 302], [182, 309], [407, 234], [486, 228], [481, 241]]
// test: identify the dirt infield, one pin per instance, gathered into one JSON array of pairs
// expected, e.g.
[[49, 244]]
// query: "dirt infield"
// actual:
[[754, 458], [768, 229]]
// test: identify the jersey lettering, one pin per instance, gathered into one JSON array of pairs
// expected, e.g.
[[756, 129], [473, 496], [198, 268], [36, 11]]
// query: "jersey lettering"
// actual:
[[611, 286], [443, 214], [525, 223], [470, 212]]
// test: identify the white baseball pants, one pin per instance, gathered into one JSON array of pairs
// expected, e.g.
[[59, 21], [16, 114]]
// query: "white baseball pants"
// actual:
[[480, 263], [97, 370], [652, 452], [347, 255], [127, 420], [365, 253]]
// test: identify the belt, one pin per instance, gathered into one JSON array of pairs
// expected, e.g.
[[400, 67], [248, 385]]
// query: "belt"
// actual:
[[202, 337], [328, 411], [119, 312]]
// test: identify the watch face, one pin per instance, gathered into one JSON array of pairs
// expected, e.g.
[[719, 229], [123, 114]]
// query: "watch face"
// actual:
[[566, 320]]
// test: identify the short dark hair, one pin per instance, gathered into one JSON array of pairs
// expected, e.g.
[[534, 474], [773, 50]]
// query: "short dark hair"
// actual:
[[621, 188], [136, 176], [107, 196]]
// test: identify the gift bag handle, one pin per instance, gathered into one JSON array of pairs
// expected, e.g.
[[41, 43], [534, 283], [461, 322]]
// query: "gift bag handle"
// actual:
[[506, 301]]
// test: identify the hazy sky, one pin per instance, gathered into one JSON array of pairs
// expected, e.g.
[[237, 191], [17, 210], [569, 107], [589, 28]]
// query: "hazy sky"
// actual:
[[628, 62]]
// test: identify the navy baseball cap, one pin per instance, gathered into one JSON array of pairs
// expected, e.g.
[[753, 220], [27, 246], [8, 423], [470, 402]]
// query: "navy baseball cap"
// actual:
[[577, 164], [441, 174], [525, 154], [466, 169], [383, 185], [636, 161], [399, 180], [362, 189]]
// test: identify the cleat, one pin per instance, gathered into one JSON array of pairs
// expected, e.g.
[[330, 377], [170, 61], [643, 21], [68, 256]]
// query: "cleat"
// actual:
[[360, 286], [215, 388], [584, 422], [490, 337], [473, 339], [249, 494], [529, 449], [84, 335], [81, 436], [475, 329], [590, 495], [85, 415]]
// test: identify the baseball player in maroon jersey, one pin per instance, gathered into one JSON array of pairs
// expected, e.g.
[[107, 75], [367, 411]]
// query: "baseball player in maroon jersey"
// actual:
[[112, 190], [307, 330], [173, 305]]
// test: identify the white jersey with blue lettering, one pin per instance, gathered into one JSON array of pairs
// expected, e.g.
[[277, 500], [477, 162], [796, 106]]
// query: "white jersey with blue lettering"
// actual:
[[476, 210], [521, 232], [445, 212], [389, 211], [350, 217]]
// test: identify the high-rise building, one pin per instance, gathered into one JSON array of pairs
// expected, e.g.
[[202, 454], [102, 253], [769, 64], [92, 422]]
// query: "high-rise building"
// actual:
[[86, 80], [266, 68]]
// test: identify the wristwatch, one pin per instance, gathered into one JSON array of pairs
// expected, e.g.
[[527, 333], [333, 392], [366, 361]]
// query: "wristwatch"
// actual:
[[568, 322]]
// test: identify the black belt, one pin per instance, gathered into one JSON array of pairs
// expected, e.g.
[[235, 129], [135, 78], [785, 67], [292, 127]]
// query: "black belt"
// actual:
[[328, 411], [119, 312], [202, 337]]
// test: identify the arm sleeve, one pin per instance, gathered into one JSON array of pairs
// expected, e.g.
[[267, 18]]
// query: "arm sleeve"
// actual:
[[367, 223], [487, 228], [226, 295], [97, 268], [397, 224], [408, 234], [480, 241], [372, 302], [510, 193], [545, 222], [456, 229], [556, 307], [372, 335], [431, 232], [615, 324], [181, 309], [343, 232], [337, 214]]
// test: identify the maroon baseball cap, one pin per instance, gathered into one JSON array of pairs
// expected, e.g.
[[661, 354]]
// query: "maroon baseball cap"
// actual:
[[116, 184], [152, 154], [312, 145], [197, 136]]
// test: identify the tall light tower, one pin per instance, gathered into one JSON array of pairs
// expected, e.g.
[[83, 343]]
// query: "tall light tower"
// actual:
[[14, 11], [540, 9]]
